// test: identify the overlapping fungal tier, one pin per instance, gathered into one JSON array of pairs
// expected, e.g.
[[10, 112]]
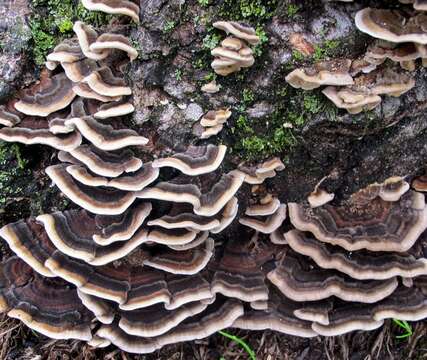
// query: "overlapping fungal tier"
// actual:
[[356, 84], [137, 265]]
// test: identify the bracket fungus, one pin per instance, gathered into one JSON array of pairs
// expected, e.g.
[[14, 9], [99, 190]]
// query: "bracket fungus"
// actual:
[[238, 30], [257, 174], [234, 53], [109, 164], [196, 160], [211, 123], [392, 25], [114, 41], [47, 306], [344, 225], [105, 137], [333, 72], [420, 183], [139, 263], [117, 7], [86, 36], [52, 94]]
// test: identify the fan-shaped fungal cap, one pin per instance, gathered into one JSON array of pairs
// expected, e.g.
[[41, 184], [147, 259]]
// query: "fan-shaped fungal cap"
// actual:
[[216, 317], [52, 95], [84, 91], [319, 197], [96, 200], [392, 25], [227, 57], [131, 286], [99, 307], [215, 117], [211, 87], [196, 160], [86, 36], [29, 136], [373, 226], [187, 262], [105, 137], [9, 116], [110, 164], [171, 236], [185, 220], [223, 191], [420, 5], [227, 215], [78, 70], [207, 204], [258, 173], [57, 124], [279, 316], [167, 191], [122, 227], [240, 31], [71, 232], [300, 283], [113, 109], [114, 41], [268, 226], [156, 320], [354, 102], [200, 239], [238, 273], [405, 54], [105, 83], [121, 7], [360, 266], [268, 205], [206, 133], [392, 188], [406, 304], [386, 82], [332, 72], [131, 182], [420, 183], [47, 306], [28, 240], [68, 51]]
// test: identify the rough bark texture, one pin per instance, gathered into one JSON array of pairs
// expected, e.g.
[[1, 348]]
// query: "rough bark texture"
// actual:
[[269, 118]]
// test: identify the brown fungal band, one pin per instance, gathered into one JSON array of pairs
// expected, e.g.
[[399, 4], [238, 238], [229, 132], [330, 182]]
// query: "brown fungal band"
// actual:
[[109, 164], [98, 201], [142, 263], [345, 228], [53, 94], [392, 25], [196, 160], [49, 307], [333, 72], [105, 137]]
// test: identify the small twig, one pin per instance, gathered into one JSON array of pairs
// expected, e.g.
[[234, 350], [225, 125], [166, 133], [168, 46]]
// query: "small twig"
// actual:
[[9, 330]]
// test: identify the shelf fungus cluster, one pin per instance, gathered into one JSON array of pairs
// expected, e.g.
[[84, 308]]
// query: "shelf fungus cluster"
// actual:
[[357, 85], [401, 38], [149, 257], [211, 123], [352, 85], [83, 96], [235, 52], [337, 269]]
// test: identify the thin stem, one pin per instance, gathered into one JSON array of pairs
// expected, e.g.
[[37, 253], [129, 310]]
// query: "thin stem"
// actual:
[[241, 342]]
